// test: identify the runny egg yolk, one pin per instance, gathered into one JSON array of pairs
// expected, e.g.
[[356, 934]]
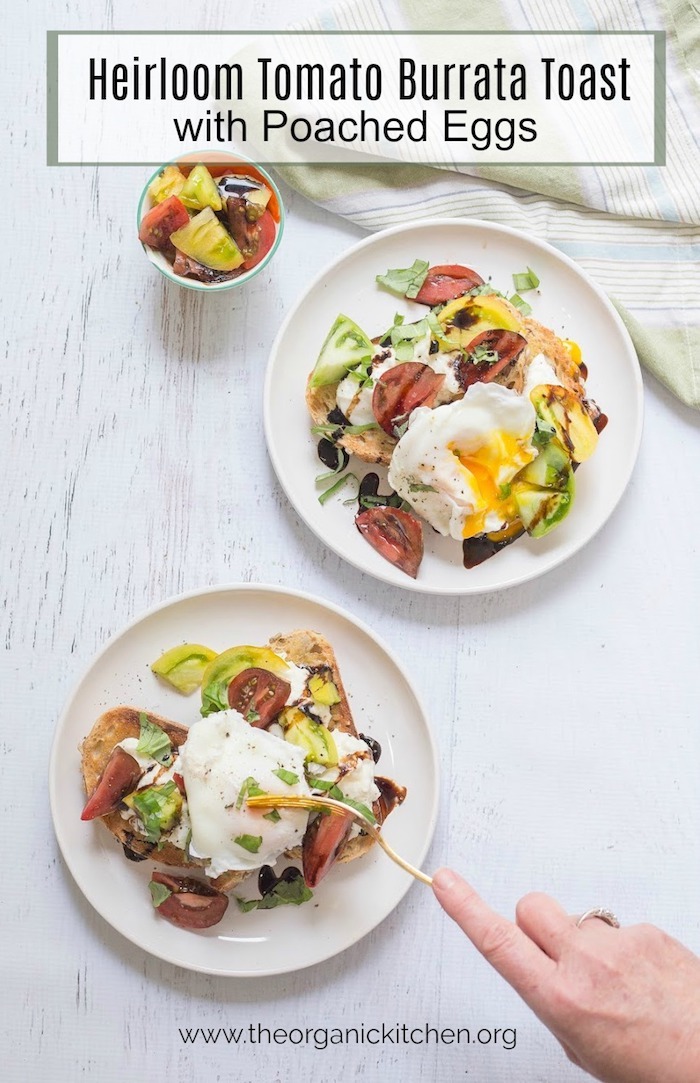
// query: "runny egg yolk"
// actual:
[[574, 351], [490, 469]]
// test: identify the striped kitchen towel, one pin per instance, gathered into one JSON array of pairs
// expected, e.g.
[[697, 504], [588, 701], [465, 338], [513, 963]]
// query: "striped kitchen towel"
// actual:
[[636, 230]]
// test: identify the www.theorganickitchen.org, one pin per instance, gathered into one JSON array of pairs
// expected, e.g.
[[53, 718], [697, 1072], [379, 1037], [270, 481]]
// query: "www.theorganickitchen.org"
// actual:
[[321, 1038]]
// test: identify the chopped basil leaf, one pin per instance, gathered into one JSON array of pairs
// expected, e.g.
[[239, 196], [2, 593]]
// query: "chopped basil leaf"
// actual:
[[484, 288], [504, 491], [342, 430], [359, 807], [403, 351], [337, 486], [159, 892], [399, 430], [343, 460], [436, 329], [527, 280], [188, 840], [419, 487], [406, 281], [287, 776], [250, 788], [153, 741], [245, 905], [330, 473], [398, 320], [403, 338], [284, 893], [518, 302], [380, 500], [273, 816], [331, 788], [334, 791], [355, 430], [481, 355], [251, 843], [252, 715], [150, 805]]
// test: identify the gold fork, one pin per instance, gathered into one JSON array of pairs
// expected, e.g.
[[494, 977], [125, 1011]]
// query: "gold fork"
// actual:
[[337, 808]]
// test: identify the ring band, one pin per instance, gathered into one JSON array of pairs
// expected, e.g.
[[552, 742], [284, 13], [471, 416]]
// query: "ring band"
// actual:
[[602, 914]]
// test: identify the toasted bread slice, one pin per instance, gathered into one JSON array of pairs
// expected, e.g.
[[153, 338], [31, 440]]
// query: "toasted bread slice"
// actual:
[[541, 339], [373, 446], [112, 727], [310, 648], [305, 648], [376, 446]]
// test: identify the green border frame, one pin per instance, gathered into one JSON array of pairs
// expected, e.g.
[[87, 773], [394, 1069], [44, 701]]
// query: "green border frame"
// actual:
[[659, 37]]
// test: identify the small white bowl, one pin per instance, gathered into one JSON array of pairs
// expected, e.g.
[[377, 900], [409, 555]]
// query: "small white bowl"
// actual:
[[216, 158]]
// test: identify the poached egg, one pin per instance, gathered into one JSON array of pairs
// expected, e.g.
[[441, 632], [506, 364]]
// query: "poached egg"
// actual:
[[220, 757], [454, 463]]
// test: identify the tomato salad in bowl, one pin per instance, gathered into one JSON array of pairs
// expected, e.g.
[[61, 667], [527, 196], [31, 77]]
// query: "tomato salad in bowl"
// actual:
[[210, 223], [478, 412]]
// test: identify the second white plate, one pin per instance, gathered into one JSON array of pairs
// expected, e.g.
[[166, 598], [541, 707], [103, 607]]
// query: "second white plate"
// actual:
[[356, 896], [568, 302]]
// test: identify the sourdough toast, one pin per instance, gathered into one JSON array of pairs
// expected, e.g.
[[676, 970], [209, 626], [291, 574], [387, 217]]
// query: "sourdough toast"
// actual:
[[377, 446], [304, 648]]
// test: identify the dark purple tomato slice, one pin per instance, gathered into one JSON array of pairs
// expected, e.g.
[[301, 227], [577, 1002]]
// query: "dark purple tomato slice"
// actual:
[[401, 390], [192, 904], [447, 281], [395, 534], [120, 777], [505, 344], [258, 695]]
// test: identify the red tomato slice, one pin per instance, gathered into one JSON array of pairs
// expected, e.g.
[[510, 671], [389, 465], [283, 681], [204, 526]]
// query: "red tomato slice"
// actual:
[[507, 344], [163, 220], [120, 777], [401, 390], [268, 231], [323, 839], [447, 281], [395, 534], [258, 695]]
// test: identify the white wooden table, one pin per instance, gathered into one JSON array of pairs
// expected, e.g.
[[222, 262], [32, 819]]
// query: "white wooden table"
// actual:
[[134, 468]]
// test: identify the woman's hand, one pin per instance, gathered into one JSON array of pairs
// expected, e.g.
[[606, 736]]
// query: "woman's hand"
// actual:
[[624, 1003]]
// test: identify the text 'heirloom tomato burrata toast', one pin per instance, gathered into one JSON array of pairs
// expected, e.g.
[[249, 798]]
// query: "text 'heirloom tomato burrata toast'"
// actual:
[[275, 720], [479, 412]]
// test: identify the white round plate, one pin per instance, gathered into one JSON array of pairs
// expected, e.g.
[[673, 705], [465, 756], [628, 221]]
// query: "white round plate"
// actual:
[[567, 301], [356, 896]]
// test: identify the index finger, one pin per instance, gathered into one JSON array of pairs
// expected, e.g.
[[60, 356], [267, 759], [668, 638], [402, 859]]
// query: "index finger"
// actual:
[[506, 947]]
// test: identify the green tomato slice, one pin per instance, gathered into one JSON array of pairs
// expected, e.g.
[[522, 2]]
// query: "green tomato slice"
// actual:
[[183, 666], [206, 239], [200, 190], [314, 738], [346, 346]]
